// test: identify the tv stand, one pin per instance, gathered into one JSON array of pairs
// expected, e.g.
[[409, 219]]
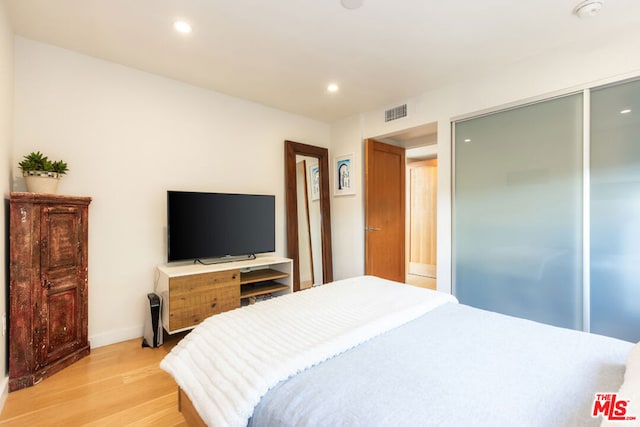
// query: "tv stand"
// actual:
[[193, 292]]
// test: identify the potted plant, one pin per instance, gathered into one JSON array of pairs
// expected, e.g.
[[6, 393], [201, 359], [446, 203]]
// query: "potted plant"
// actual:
[[41, 175]]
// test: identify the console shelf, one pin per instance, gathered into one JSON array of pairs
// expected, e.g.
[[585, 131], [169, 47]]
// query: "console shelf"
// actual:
[[261, 275], [257, 289], [192, 292]]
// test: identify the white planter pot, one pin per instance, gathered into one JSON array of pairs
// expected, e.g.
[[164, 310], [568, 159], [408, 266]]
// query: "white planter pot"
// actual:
[[41, 182]]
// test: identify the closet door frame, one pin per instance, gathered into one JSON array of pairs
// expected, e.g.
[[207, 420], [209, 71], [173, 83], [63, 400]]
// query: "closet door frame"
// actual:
[[585, 90]]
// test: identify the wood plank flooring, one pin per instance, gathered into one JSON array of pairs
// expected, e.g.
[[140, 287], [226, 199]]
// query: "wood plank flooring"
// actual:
[[421, 281], [116, 385]]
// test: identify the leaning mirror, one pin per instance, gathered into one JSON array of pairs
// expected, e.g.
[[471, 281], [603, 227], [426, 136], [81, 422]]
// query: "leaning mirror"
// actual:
[[308, 214]]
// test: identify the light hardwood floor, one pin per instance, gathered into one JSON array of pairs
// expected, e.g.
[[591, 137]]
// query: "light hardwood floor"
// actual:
[[116, 385], [421, 281]]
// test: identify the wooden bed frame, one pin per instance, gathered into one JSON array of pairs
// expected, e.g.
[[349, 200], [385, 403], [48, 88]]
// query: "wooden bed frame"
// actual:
[[189, 412]]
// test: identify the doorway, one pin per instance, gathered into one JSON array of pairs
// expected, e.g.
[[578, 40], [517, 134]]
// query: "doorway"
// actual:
[[422, 211], [415, 250]]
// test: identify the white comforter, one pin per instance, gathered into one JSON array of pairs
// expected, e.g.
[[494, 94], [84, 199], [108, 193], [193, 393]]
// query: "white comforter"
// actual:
[[231, 360]]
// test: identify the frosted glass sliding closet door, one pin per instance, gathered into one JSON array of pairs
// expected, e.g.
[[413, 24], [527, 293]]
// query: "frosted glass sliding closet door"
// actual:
[[518, 211], [615, 211]]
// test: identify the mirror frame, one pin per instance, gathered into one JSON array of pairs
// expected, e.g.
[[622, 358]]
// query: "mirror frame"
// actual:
[[322, 154]]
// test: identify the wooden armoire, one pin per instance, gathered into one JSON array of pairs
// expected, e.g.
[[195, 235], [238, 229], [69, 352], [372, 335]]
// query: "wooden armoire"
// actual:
[[48, 314]]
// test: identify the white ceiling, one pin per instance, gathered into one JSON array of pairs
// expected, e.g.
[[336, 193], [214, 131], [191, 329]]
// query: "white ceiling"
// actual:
[[283, 53]]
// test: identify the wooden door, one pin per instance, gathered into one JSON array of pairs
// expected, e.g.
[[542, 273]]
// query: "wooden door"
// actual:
[[423, 195], [62, 310], [385, 210]]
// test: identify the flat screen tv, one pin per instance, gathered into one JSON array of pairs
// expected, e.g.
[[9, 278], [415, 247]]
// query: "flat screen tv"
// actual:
[[215, 225]]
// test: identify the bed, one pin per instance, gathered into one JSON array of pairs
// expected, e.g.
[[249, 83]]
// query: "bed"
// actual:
[[371, 352]]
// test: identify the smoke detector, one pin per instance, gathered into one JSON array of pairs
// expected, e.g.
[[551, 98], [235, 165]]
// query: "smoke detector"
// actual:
[[588, 8]]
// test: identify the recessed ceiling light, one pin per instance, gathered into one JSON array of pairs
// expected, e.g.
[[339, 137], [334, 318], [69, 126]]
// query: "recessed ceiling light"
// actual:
[[467, 140], [182, 27], [351, 4], [627, 111], [588, 8], [332, 87]]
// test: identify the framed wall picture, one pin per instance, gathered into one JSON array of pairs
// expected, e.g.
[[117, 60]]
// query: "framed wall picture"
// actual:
[[344, 175]]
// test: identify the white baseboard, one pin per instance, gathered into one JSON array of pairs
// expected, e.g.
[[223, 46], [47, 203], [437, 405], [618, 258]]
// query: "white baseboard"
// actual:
[[107, 338], [4, 387]]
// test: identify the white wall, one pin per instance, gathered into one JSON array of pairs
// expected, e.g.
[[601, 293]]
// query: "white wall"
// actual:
[[574, 68], [347, 212], [6, 119], [128, 136]]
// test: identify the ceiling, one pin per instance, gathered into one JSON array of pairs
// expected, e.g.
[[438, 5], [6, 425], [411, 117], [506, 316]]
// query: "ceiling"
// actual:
[[284, 53]]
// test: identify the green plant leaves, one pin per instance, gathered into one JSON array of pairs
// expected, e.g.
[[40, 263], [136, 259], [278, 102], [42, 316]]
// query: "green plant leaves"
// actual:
[[36, 161]]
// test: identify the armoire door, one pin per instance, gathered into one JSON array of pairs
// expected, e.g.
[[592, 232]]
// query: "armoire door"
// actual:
[[62, 309]]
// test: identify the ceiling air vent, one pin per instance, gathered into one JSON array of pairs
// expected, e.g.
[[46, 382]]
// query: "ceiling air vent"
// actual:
[[395, 113]]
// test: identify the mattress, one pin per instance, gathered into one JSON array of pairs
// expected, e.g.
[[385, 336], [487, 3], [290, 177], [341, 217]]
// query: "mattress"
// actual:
[[455, 366], [370, 352]]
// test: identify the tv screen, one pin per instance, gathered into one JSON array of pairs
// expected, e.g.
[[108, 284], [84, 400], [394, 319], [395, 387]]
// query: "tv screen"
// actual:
[[213, 225]]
